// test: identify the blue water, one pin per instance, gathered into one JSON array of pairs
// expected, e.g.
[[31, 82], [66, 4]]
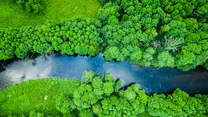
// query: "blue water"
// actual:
[[152, 80]]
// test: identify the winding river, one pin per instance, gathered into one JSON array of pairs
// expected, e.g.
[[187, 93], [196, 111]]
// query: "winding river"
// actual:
[[152, 80]]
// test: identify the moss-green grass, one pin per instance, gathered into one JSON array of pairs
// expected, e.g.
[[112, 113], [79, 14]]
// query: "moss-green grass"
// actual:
[[27, 96], [30, 95], [12, 15]]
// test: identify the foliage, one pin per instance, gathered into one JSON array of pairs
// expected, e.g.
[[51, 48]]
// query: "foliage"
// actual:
[[95, 98], [87, 76], [162, 33], [75, 36], [169, 27], [165, 59], [103, 2], [177, 104], [158, 33], [36, 95], [31, 6], [158, 105]]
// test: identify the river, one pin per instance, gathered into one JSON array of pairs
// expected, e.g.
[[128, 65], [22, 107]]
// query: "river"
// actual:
[[152, 80]]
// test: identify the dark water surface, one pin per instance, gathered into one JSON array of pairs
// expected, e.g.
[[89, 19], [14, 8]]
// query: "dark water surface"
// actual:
[[161, 80]]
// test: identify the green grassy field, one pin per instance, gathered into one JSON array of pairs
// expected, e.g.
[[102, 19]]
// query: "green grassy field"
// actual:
[[36, 95], [12, 15]]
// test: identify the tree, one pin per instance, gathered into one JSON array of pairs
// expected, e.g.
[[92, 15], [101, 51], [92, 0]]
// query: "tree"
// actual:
[[177, 29], [22, 50], [136, 97], [117, 85], [204, 100], [202, 12], [65, 104], [158, 105], [108, 85], [172, 44], [110, 9], [87, 76], [191, 24], [112, 53], [66, 49], [165, 59], [32, 6], [86, 113], [184, 58], [84, 97], [192, 38], [190, 106], [148, 56], [192, 47], [97, 84], [133, 98]]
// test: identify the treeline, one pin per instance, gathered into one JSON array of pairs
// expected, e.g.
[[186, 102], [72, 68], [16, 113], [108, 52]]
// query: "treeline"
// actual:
[[75, 36], [160, 33], [101, 96]]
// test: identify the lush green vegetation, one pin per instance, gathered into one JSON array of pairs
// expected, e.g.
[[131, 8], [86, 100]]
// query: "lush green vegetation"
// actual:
[[31, 6], [160, 33], [35, 95], [93, 97], [18, 13]]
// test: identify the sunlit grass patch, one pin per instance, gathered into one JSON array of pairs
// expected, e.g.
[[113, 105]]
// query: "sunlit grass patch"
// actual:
[[13, 15], [38, 95]]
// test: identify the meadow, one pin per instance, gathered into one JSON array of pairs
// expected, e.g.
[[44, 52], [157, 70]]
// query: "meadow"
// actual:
[[95, 97], [12, 15], [36, 95]]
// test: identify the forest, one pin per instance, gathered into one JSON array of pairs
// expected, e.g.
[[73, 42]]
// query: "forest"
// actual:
[[96, 96], [158, 33]]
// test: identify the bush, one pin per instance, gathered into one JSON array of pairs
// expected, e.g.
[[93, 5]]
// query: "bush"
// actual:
[[31, 6]]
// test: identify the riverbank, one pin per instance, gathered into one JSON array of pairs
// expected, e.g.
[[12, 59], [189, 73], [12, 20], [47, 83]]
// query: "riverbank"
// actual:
[[152, 80], [59, 97], [157, 33], [159, 39]]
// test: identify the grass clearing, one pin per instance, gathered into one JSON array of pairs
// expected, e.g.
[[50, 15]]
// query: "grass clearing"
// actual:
[[35, 95], [13, 15]]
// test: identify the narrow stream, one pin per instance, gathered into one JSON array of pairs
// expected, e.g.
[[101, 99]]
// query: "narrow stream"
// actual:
[[152, 80]]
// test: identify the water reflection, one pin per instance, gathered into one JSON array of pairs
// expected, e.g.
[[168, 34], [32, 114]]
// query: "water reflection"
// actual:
[[61, 66]]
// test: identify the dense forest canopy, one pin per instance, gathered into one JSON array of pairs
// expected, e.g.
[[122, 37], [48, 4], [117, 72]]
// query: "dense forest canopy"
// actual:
[[160, 33], [95, 96]]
